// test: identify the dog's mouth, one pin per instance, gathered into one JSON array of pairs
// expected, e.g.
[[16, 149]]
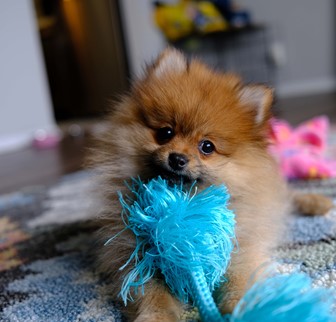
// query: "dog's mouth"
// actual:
[[172, 177], [175, 178]]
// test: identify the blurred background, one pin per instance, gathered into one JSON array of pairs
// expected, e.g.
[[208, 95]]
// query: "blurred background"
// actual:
[[62, 62]]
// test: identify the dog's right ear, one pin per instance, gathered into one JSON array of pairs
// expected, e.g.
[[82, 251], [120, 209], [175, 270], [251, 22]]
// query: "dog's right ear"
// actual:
[[257, 98], [169, 61]]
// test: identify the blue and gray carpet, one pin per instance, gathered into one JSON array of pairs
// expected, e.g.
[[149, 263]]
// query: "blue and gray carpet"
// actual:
[[45, 236]]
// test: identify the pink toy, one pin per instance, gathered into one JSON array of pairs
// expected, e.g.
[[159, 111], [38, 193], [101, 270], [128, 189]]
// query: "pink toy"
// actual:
[[45, 140], [301, 151]]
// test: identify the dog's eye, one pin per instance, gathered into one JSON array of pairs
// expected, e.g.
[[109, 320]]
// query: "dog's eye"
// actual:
[[206, 147], [164, 134]]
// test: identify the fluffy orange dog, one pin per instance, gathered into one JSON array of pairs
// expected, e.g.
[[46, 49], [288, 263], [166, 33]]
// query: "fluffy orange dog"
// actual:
[[185, 121]]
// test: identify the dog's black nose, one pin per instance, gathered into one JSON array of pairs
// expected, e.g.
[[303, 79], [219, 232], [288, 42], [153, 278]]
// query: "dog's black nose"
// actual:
[[177, 161]]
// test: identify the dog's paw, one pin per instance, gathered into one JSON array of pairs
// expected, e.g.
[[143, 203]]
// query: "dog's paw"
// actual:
[[312, 204], [228, 305]]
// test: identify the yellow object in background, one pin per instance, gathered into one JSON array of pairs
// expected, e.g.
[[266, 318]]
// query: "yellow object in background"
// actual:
[[182, 19], [209, 18], [173, 20]]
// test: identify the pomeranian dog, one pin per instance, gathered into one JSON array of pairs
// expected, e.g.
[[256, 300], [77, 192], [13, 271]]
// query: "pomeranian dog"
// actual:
[[184, 121]]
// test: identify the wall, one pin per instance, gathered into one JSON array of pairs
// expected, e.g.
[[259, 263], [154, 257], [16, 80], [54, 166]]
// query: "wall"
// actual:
[[24, 95], [305, 29], [143, 40]]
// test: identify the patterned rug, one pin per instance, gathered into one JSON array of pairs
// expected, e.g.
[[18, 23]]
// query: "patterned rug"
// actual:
[[45, 236]]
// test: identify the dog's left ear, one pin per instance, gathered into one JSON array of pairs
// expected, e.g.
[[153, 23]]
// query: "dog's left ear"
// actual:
[[169, 61], [257, 98]]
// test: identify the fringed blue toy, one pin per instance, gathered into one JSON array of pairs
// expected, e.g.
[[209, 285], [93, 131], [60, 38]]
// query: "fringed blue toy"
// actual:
[[179, 233], [285, 298], [189, 238]]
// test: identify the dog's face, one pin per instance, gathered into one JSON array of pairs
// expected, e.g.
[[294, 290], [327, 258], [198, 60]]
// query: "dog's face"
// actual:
[[183, 120]]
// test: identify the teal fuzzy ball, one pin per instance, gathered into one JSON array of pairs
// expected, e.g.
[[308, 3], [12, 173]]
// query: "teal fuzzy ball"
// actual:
[[285, 298], [178, 231]]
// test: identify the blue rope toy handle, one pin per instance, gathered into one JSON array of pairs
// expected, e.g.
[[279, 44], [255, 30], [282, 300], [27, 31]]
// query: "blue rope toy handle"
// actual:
[[189, 238], [203, 298]]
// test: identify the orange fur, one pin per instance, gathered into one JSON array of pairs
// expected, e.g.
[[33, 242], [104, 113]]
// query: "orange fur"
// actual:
[[198, 104], [312, 204]]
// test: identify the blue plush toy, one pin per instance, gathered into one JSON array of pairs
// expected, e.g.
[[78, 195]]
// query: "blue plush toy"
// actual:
[[189, 237]]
